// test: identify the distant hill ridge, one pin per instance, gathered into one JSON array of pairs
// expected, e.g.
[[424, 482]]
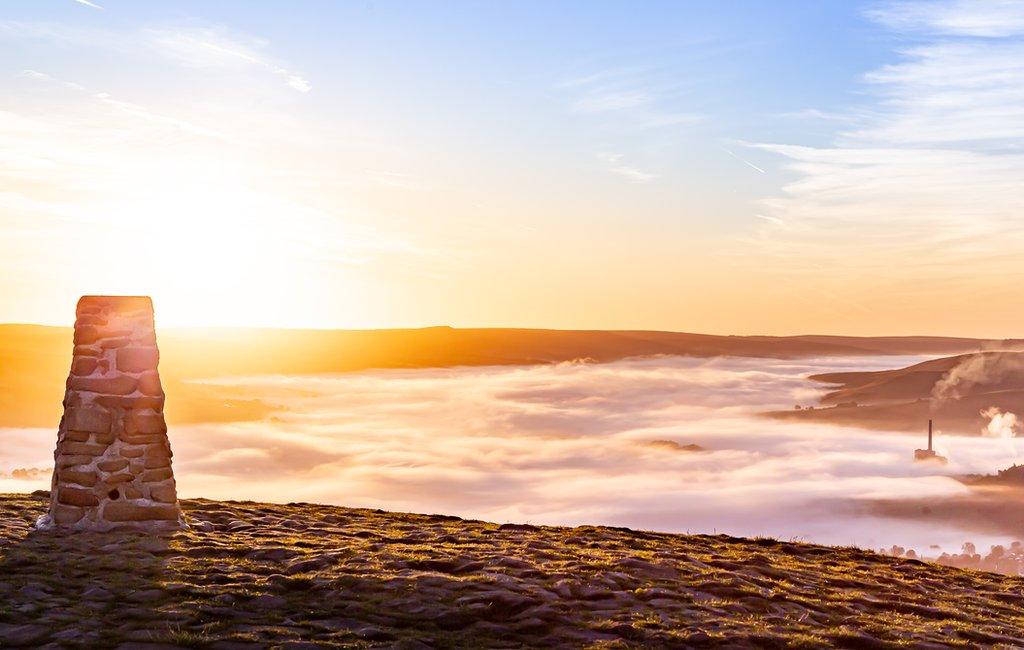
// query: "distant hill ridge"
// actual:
[[34, 359]]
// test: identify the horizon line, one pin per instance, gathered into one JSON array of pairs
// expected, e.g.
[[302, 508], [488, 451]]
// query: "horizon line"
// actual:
[[541, 329]]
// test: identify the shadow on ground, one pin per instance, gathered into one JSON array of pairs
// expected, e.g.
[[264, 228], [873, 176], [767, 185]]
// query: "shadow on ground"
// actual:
[[300, 576], [85, 589]]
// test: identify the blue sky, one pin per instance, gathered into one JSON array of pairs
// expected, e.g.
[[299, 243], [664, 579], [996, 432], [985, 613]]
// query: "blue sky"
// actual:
[[478, 76], [660, 165]]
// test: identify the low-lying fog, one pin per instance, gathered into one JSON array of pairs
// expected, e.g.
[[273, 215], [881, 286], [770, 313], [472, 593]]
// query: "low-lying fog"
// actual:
[[570, 444]]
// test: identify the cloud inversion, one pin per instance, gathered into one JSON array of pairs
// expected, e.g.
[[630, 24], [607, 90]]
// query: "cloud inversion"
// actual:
[[571, 444]]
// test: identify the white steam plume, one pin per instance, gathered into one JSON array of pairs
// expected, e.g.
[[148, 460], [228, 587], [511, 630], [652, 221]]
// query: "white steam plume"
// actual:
[[977, 370], [1000, 424]]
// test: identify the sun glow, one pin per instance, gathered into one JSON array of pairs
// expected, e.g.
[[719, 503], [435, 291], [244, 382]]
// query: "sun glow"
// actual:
[[209, 252], [221, 223]]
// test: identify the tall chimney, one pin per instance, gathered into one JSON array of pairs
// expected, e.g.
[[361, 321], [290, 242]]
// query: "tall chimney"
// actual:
[[929, 435], [113, 458]]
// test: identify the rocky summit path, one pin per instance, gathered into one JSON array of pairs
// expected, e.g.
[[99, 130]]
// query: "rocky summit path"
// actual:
[[252, 575]]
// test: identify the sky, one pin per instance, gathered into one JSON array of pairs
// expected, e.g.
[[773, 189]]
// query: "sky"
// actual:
[[723, 167]]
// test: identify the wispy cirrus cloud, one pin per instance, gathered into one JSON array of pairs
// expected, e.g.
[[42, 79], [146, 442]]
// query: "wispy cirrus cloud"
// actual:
[[89, 4], [65, 35], [611, 101], [627, 101], [636, 98], [956, 17], [126, 107], [615, 165], [210, 48], [932, 172], [42, 76], [207, 47]]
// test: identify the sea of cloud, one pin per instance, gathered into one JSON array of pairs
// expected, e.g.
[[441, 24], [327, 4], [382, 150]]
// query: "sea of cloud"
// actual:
[[571, 444]]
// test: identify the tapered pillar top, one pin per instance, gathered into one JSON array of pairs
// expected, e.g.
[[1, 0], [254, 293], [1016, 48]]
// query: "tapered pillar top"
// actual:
[[120, 303]]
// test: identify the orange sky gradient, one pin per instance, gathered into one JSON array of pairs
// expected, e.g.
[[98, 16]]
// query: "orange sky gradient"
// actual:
[[241, 179]]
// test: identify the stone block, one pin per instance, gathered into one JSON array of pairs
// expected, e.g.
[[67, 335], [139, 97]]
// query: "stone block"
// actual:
[[156, 462], [144, 338], [121, 304], [83, 448], [124, 511], [84, 478], [149, 384], [82, 366], [141, 321], [131, 492], [141, 440], [65, 515], [156, 475], [159, 452], [131, 452], [84, 418], [163, 493], [115, 338], [86, 351], [86, 307], [114, 465], [115, 342], [112, 385], [87, 334], [130, 401], [78, 436], [114, 401], [103, 438], [144, 422], [119, 478], [76, 497], [155, 402], [71, 399], [70, 460], [90, 319], [137, 359]]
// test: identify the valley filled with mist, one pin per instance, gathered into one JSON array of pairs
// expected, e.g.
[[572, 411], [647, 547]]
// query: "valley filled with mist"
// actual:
[[551, 427]]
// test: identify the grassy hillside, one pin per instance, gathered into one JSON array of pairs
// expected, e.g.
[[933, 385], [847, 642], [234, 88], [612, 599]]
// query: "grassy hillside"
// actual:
[[299, 576], [992, 372], [905, 398]]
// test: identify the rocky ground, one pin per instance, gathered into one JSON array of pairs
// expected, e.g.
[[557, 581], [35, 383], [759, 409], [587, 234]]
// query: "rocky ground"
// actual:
[[251, 575]]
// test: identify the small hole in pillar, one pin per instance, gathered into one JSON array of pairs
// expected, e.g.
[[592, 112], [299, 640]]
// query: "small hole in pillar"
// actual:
[[114, 494]]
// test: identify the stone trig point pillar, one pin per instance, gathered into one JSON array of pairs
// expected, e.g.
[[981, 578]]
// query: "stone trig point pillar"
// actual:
[[113, 459]]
